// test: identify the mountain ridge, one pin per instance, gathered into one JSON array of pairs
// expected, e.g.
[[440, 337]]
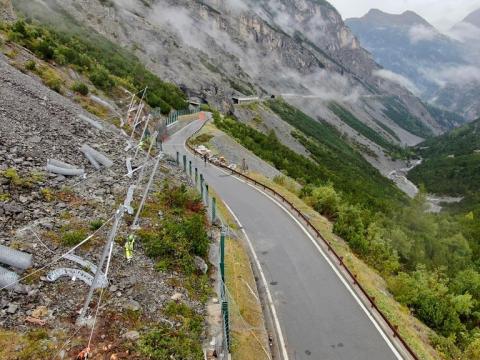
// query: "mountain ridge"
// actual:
[[473, 18], [434, 62], [379, 17], [214, 51]]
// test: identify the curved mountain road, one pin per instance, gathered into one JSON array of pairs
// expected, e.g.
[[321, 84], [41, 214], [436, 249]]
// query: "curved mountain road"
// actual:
[[319, 316]]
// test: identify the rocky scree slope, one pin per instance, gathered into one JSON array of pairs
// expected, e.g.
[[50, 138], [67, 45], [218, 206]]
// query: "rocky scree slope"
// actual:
[[38, 211], [216, 49]]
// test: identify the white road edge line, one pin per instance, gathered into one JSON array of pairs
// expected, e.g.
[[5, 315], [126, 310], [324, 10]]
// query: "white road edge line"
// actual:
[[317, 246], [264, 280], [335, 269]]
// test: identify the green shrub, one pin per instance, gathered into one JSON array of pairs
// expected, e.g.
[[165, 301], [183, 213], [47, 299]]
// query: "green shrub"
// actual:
[[201, 139], [30, 65], [182, 234], [429, 297], [326, 201], [205, 107], [73, 237], [100, 77], [350, 227], [96, 224], [12, 176], [176, 243], [175, 343], [45, 48], [80, 88]]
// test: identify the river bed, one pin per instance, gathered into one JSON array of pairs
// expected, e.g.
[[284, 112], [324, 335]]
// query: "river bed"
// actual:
[[399, 177]]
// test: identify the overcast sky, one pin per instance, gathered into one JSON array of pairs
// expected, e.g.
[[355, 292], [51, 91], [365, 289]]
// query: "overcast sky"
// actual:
[[441, 13]]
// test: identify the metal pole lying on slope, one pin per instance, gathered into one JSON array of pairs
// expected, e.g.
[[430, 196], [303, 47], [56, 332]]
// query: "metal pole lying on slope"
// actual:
[[98, 273], [142, 172], [141, 138], [145, 193]]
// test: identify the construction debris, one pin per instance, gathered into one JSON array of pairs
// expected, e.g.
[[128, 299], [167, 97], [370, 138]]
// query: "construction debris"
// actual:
[[94, 123], [96, 155], [61, 168], [8, 279], [15, 258]]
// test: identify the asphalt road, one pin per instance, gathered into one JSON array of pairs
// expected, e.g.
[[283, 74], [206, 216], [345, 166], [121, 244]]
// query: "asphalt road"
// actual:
[[319, 317]]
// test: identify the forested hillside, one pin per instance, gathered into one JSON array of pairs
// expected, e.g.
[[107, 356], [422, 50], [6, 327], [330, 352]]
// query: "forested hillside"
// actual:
[[451, 164], [104, 63]]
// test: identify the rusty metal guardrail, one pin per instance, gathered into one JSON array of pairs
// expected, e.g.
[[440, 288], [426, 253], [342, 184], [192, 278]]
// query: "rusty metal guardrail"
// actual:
[[353, 277]]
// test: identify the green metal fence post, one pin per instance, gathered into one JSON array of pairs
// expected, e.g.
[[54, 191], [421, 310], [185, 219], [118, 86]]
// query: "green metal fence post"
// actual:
[[222, 257], [214, 209], [226, 322], [206, 194]]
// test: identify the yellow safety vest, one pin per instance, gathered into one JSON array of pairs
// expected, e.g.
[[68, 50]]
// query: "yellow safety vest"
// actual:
[[129, 248]]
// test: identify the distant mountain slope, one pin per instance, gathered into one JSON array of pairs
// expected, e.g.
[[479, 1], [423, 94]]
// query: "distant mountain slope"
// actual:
[[473, 18], [432, 63], [451, 163], [214, 50], [217, 48]]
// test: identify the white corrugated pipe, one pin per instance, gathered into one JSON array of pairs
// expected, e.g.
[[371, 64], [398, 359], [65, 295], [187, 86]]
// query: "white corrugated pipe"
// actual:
[[15, 258], [8, 279], [65, 171], [99, 157]]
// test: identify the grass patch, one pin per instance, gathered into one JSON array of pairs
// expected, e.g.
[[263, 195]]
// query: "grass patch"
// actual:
[[93, 107], [182, 342], [73, 237], [15, 180], [201, 139], [51, 78], [180, 236]]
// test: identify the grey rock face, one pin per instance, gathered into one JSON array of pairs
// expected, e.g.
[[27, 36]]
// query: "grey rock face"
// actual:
[[280, 46]]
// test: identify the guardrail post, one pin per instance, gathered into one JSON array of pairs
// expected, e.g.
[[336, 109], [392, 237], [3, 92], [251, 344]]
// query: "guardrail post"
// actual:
[[196, 176], [178, 158], [214, 209], [190, 167], [201, 186], [185, 163]]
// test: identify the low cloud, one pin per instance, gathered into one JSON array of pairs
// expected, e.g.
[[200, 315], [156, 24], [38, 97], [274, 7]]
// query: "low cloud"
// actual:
[[420, 33], [397, 78], [456, 75], [323, 85], [465, 32]]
